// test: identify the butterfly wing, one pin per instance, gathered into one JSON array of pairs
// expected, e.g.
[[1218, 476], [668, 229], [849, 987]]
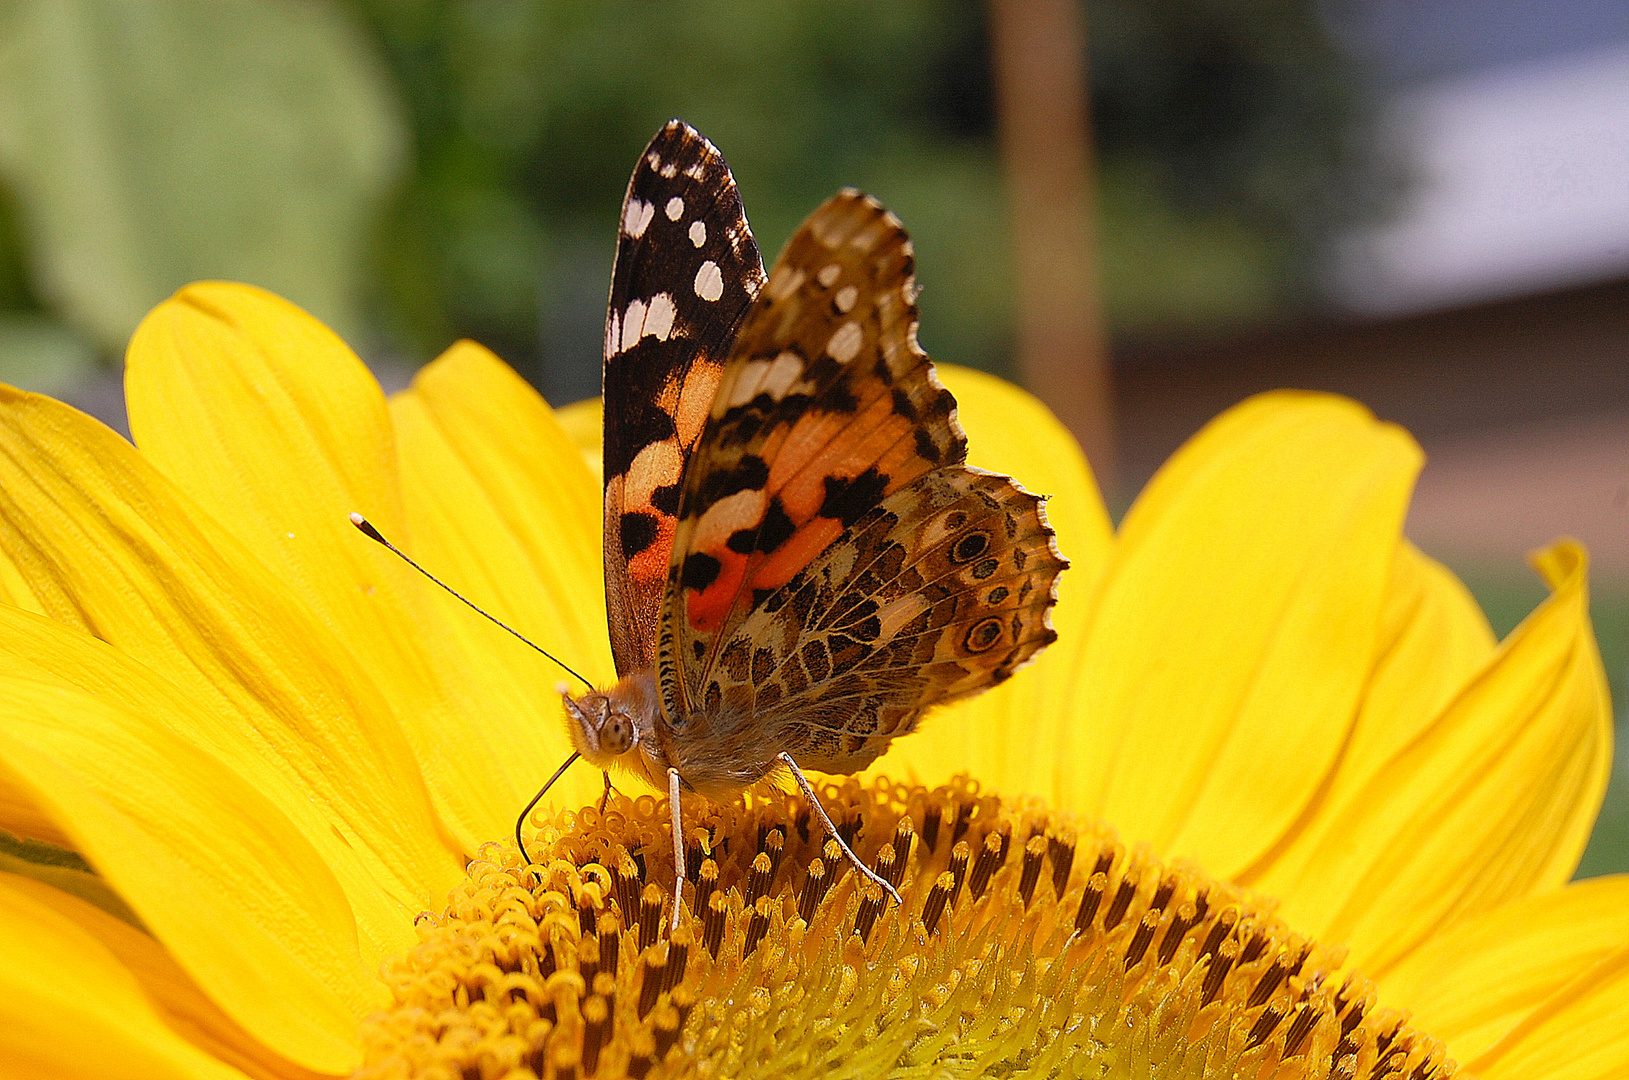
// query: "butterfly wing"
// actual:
[[837, 567], [686, 271], [940, 591]]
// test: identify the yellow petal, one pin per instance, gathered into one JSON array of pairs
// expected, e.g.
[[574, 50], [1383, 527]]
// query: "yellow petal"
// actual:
[[1011, 431], [68, 879], [290, 438], [1009, 736], [69, 1009], [20, 817], [584, 424], [1236, 627], [1579, 1034], [204, 641], [499, 502], [238, 897], [1472, 985], [14, 584], [177, 1000], [1491, 802], [1433, 640]]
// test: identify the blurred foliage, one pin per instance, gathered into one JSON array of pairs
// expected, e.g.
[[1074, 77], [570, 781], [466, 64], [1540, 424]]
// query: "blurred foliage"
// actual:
[[1227, 137], [36, 351], [1233, 144], [144, 143], [148, 143], [529, 115]]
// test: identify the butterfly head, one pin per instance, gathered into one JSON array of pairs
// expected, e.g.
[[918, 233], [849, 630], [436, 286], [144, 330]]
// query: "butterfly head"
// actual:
[[605, 725]]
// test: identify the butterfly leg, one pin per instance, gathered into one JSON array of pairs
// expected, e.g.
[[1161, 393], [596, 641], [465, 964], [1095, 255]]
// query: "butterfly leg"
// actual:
[[678, 847], [831, 830], [606, 796]]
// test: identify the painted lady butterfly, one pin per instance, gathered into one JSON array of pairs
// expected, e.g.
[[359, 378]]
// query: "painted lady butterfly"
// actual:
[[798, 562], [799, 559]]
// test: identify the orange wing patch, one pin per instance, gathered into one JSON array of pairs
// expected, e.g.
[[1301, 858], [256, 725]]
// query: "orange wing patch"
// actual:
[[826, 406], [939, 591]]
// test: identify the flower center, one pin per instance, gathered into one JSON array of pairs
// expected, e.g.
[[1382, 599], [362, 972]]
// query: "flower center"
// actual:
[[1030, 942]]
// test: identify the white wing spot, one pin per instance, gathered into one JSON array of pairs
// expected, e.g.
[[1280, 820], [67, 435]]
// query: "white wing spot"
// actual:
[[784, 281], [868, 238], [727, 515], [845, 298], [613, 335], [709, 281], [675, 208], [659, 316], [782, 373], [828, 274], [845, 343], [669, 171], [635, 216], [773, 377], [748, 383], [698, 233], [643, 318], [633, 323], [652, 466], [695, 171]]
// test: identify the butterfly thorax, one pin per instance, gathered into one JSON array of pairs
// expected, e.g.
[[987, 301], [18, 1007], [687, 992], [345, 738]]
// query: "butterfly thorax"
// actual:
[[624, 727]]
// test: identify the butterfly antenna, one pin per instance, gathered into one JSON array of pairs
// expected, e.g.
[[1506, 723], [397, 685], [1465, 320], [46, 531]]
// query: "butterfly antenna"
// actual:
[[366, 529]]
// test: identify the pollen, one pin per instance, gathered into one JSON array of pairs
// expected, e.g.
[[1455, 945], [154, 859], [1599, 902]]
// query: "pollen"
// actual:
[[1030, 942]]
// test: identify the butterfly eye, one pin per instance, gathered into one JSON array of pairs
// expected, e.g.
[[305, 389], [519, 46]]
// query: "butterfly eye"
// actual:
[[616, 735]]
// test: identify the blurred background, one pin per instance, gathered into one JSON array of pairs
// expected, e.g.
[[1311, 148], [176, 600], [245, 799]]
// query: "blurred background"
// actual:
[[1423, 204]]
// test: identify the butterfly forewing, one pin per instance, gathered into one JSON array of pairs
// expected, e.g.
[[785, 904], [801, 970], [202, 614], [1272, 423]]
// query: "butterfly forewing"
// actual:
[[686, 271], [836, 568], [825, 406]]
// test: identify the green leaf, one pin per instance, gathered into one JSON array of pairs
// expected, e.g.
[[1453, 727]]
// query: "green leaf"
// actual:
[[150, 143]]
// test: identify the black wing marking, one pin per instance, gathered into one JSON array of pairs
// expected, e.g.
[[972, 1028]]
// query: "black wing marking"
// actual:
[[686, 271]]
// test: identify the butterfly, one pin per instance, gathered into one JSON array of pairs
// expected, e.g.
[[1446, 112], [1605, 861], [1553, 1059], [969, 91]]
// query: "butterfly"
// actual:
[[798, 560]]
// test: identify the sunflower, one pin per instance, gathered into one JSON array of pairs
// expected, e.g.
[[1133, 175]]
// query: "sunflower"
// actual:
[[1276, 804]]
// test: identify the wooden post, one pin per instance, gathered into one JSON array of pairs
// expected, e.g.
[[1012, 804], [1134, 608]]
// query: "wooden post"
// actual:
[[1038, 49]]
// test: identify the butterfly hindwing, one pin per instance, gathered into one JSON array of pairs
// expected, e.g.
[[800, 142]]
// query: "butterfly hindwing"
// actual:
[[686, 271], [814, 603], [940, 591]]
